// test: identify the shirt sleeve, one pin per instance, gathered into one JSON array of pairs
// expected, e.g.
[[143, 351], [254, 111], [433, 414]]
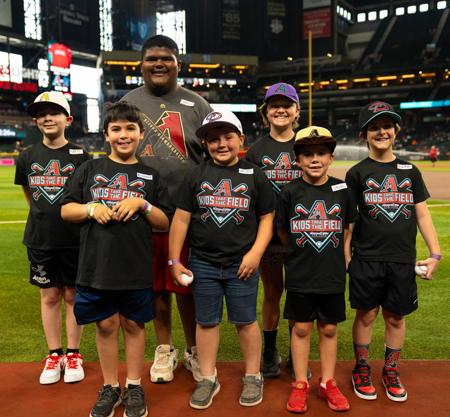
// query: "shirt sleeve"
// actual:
[[265, 202], [21, 172], [420, 191], [282, 211], [161, 197], [351, 212], [73, 188], [185, 196]]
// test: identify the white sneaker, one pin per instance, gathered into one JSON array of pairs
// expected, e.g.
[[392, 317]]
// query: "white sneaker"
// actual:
[[164, 364], [73, 367], [191, 363], [52, 369]]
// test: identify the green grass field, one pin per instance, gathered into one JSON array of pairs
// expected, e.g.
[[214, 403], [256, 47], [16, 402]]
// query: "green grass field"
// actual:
[[21, 332]]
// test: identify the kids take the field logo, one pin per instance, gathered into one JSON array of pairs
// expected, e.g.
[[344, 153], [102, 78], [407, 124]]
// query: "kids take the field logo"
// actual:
[[49, 181], [281, 171], [317, 226], [389, 199], [223, 202], [111, 191]]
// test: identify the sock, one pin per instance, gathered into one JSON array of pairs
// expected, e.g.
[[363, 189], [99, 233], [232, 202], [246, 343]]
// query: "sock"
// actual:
[[211, 378], [270, 343], [361, 354], [69, 350], [59, 351], [129, 382], [115, 385], [257, 376], [323, 384], [391, 356]]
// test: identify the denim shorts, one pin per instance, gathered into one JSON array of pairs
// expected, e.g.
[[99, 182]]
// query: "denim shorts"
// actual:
[[212, 282], [93, 305]]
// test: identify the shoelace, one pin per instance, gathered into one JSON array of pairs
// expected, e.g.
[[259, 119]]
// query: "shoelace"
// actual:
[[335, 396], [133, 396], [51, 361], [299, 394], [72, 361], [163, 358], [393, 379], [106, 394], [364, 375]]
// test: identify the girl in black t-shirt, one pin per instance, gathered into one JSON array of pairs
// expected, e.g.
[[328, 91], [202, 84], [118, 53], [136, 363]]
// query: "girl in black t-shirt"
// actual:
[[274, 154]]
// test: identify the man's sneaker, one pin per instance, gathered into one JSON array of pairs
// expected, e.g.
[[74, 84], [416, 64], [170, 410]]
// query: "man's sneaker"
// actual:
[[134, 402], [73, 367], [395, 390], [191, 363], [252, 391], [204, 393], [108, 399], [362, 383], [52, 369], [271, 365], [164, 364], [335, 399], [290, 368], [297, 402]]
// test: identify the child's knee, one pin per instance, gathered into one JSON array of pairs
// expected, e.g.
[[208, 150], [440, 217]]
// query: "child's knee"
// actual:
[[366, 317], [302, 329], [327, 330], [108, 326], [393, 320], [50, 296], [131, 327]]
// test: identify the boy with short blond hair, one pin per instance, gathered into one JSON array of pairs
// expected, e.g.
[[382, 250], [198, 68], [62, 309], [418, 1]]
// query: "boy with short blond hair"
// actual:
[[52, 245]]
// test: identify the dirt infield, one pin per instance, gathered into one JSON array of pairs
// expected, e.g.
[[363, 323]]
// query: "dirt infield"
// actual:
[[21, 394], [436, 182]]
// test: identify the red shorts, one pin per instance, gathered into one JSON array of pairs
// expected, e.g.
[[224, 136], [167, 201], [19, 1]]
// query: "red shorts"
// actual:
[[162, 280]]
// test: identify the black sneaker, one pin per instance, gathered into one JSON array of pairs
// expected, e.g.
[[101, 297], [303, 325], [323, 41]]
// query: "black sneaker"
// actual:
[[134, 402], [290, 369], [108, 399], [271, 365]]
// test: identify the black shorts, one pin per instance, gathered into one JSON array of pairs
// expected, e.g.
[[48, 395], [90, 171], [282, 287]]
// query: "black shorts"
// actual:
[[391, 285], [53, 268], [92, 305], [326, 308]]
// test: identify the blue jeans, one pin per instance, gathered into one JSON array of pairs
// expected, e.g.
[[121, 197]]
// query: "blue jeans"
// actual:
[[212, 282]]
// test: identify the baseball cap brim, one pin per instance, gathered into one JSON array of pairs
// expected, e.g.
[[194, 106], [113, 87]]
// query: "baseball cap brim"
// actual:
[[203, 130], [397, 118], [33, 108]]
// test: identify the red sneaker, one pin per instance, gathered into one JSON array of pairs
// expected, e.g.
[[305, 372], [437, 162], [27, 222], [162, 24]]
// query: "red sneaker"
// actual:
[[335, 399], [299, 396], [395, 390], [362, 383]]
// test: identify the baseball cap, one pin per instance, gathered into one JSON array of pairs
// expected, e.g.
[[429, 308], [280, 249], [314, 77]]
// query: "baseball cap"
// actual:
[[282, 89], [54, 97], [314, 135], [218, 119], [374, 110]]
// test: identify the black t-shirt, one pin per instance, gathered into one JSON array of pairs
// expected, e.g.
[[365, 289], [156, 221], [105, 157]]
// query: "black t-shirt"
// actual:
[[386, 194], [45, 171], [315, 219], [118, 255], [226, 203], [277, 160]]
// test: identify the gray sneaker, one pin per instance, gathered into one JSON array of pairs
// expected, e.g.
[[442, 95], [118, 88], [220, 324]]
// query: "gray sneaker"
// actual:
[[204, 393], [252, 391]]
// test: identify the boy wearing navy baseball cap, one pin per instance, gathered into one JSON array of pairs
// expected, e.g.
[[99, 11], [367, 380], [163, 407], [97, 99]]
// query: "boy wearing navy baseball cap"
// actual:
[[52, 245], [227, 204], [391, 198]]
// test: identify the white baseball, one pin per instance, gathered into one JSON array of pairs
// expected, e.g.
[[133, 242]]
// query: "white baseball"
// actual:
[[421, 270], [186, 279]]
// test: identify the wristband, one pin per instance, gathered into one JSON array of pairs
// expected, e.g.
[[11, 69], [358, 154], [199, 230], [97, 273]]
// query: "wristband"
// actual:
[[436, 256], [90, 208], [172, 262], [147, 209]]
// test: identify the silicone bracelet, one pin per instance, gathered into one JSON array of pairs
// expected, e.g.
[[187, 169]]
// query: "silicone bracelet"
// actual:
[[436, 256], [147, 209], [172, 262]]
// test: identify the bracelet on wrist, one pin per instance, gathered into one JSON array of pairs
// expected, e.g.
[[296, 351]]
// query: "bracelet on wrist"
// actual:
[[90, 208], [436, 256], [147, 208], [172, 262]]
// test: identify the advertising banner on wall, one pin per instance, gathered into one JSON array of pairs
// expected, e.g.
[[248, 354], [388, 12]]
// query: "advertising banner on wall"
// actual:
[[231, 20], [318, 22]]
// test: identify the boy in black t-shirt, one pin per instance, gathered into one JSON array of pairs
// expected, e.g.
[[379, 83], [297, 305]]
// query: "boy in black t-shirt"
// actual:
[[391, 198], [226, 204], [52, 244], [313, 214], [115, 199]]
